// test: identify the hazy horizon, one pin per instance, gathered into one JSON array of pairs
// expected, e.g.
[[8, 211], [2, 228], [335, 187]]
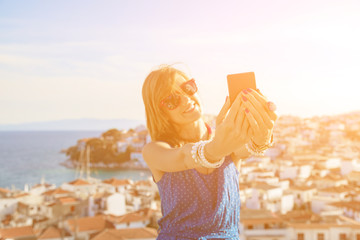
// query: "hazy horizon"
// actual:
[[143, 121]]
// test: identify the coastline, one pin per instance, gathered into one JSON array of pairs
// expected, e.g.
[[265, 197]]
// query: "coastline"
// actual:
[[129, 165]]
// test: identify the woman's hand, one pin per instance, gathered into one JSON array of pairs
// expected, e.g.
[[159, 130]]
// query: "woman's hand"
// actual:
[[261, 119], [231, 130]]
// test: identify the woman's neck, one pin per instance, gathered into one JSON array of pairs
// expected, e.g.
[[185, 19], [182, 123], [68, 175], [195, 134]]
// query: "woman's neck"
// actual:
[[194, 131]]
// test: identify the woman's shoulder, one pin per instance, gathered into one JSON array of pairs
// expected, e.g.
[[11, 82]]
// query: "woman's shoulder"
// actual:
[[148, 152], [154, 146]]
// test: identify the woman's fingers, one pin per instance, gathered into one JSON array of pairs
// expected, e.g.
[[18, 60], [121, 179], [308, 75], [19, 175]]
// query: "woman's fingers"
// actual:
[[261, 116], [245, 131], [252, 122], [255, 96], [258, 95], [235, 106], [240, 117], [222, 114], [260, 123], [262, 100]]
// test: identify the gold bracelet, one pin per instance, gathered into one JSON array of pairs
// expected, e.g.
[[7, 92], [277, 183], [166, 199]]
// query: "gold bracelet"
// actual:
[[265, 146], [258, 150]]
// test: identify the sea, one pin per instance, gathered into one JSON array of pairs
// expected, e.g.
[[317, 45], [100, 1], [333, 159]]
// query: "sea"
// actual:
[[32, 157]]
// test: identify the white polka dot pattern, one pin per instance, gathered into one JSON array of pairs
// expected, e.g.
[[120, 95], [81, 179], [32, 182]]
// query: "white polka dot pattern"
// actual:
[[200, 206]]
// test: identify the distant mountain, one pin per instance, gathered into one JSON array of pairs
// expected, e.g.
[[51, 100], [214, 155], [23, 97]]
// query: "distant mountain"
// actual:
[[84, 124]]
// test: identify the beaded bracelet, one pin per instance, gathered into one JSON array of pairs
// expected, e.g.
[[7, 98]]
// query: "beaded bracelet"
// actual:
[[194, 152], [204, 161], [197, 153]]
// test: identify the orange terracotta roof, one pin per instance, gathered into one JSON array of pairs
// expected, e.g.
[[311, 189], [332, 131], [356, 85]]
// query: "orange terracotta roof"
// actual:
[[301, 164], [85, 224], [329, 177], [355, 205], [101, 195], [334, 177], [263, 186], [136, 151], [21, 195], [56, 191], [308, 157], [243, 187], [143, 183], [53, 232], [50, 204], [300, 216], [66, 200], [303, 188], [4, 190], [127, 233], [249, 164], [252, 216], [107, 234], [16, 232], [340, 189], [322, 225], [140, 215], [265, 177], [84, 140], [137, 141], [37, 231], [354, 174], [21, 205], [261, 221], [117, 182], [262, 171], [79, 182]]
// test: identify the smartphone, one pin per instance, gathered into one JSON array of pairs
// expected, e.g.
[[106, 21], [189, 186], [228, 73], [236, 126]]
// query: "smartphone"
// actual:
[[239, 82]]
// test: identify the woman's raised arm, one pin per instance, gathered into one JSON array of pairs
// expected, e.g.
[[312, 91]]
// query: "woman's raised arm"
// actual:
[[162, 157], [228, 136]]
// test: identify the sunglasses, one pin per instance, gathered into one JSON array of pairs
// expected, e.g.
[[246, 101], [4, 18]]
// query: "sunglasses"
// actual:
[[173, 101]]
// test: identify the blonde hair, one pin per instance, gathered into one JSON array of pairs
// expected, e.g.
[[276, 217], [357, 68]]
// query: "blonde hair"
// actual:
[[157, 85]]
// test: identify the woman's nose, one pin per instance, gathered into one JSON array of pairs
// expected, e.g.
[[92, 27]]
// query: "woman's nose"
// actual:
[[185, 100]]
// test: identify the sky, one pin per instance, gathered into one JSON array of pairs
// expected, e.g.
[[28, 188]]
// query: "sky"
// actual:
[[88, 59]]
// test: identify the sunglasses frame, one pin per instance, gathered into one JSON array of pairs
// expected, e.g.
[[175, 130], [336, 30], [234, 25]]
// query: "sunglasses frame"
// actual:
[[178, 98]]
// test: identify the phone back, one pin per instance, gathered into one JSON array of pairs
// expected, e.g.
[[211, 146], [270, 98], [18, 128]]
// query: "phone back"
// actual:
[[239, 82]]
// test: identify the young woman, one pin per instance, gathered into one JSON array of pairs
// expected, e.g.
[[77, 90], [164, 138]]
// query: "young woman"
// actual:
[[195, 169]]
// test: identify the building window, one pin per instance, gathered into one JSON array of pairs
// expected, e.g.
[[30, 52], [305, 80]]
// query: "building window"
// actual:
[[342, 236], [320, 236], [300, 236]]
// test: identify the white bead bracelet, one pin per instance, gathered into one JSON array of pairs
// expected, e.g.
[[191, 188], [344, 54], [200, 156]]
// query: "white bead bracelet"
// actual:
[[197, 153]]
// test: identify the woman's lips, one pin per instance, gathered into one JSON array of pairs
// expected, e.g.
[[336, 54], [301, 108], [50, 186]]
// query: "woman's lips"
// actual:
[[190, 108]]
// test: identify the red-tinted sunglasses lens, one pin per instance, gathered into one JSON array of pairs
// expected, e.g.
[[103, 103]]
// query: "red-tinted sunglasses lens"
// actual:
[[189, 87], [171, 101]]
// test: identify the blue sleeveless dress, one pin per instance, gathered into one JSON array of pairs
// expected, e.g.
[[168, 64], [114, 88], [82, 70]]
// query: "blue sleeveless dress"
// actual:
[[200, 206]]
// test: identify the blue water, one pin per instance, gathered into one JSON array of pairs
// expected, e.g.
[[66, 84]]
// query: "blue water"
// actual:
[[26, 157]]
